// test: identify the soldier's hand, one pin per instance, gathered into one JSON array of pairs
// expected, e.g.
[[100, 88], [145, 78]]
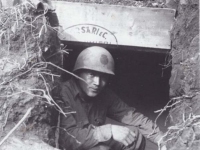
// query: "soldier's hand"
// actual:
[[123, 135]]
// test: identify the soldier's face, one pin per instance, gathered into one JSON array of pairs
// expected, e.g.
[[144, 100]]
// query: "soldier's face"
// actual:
[[94, 82]]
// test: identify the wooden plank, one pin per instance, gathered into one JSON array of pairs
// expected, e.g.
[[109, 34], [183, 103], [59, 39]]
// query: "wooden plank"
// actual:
[[116, 25]]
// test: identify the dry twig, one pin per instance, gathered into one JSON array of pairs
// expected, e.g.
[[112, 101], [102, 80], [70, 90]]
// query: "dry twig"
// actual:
[[16, 126]]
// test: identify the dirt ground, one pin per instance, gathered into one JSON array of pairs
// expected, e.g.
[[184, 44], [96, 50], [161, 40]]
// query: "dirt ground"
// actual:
[[27, 76]]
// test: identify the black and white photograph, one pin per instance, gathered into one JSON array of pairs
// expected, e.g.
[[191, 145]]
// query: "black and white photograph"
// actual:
[[99, 75]]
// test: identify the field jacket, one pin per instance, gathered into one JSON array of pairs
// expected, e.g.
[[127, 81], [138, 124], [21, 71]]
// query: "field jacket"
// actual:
[[84, 125]]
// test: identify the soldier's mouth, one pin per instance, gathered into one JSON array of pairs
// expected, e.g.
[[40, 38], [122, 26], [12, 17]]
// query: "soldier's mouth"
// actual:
[[96, 90]]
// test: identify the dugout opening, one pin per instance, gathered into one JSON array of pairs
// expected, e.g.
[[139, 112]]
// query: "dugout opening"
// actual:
[[141, 79]]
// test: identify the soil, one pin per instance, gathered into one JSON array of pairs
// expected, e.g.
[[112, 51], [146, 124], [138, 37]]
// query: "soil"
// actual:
[[27, 42], [185, 81]]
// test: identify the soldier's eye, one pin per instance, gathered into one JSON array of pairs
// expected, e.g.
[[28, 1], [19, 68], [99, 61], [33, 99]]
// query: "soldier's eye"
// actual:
[[91, 74]]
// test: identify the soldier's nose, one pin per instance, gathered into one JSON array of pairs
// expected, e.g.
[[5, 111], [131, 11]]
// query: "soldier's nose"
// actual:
[[96, 80]]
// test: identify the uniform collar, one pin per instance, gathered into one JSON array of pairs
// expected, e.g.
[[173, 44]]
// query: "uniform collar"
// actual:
[[74, 87]]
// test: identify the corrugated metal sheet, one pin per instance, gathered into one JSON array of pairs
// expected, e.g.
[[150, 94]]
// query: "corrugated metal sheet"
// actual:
[[117, 25]]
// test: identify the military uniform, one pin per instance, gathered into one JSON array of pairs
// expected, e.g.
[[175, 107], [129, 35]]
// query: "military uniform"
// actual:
[[86, 128]]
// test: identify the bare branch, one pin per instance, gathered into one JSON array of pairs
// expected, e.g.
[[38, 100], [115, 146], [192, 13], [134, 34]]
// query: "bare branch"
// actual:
[[16, 126]]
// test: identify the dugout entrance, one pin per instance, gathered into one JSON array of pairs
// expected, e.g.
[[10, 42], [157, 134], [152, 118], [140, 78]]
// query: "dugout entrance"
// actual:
[[138, 39]]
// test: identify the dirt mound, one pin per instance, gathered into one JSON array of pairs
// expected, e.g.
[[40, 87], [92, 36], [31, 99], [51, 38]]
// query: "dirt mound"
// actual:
[[184, 132], [28, 75]]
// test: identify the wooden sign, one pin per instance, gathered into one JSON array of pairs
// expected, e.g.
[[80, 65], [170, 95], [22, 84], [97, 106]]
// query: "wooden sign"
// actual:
[[116, 25]]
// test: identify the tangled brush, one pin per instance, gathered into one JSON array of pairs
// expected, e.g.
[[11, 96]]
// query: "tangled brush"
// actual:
[[31, 64], [184, 115]]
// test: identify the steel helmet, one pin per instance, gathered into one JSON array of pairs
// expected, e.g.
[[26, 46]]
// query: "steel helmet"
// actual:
[[95, 58]]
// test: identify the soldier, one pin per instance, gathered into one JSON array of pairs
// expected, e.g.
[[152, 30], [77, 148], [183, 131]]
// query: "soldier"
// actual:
[[93, 101]]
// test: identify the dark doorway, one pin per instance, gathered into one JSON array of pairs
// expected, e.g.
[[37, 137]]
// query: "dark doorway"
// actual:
[[140, 80]]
